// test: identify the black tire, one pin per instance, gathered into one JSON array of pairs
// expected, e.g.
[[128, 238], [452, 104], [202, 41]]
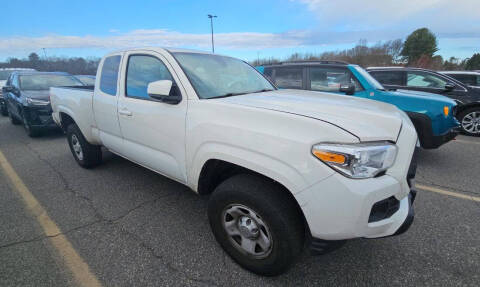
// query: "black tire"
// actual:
[[13, 119], [3, 111], [461, 118], [274, 207], [31, 131], [91, 155]]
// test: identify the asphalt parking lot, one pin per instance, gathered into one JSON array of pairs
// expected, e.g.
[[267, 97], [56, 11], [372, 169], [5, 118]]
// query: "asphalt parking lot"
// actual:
[[127, 226]]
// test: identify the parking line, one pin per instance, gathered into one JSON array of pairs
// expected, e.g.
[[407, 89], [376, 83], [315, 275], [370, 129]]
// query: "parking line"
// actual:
[[446, 192], [71, 258]]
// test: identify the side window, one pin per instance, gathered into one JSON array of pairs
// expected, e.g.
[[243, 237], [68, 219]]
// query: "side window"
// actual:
[[425, 80], [389, 78], [466, 79], [329, 79], [141, 71], [289, 78], [109, 76]]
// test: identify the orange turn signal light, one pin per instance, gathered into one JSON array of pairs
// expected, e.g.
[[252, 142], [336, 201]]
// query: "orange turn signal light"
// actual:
[[445, 110], [330, 157]]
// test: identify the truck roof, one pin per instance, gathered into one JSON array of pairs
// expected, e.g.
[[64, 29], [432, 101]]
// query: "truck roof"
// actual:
[[161, 49]]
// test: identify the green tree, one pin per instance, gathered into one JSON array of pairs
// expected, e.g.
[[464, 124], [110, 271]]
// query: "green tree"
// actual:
[[420, 43], [474, 62]]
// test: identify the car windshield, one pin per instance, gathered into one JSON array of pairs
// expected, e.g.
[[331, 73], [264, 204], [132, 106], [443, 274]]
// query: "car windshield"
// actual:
[[215, 76], [86, 80], [5, 74], [371, 80], [45, 81]]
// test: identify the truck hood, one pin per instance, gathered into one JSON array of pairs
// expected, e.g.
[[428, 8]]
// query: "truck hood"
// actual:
[[366, 119], [39, 95], [423, 95]]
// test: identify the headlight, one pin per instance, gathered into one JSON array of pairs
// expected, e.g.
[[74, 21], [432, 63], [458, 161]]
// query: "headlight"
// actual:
[[362, 160], [36, 102]]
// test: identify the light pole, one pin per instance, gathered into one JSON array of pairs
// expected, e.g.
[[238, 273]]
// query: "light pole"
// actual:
[[211, 26]]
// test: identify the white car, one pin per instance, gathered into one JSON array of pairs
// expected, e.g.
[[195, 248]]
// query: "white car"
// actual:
[[282, 166]]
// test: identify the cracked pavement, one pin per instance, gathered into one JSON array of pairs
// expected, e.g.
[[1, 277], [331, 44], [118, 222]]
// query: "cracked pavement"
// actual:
[[136, 228]]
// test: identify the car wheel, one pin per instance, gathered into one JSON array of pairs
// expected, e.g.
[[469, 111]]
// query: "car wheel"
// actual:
[[31, 131], [4, 111], [86, 154], [257, 223], [470, 121], [13, 120]]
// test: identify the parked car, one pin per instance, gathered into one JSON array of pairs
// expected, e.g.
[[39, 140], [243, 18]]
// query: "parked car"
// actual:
[[432, 115], [416, 79], [279, 164], [469, 78], [27, 98], [4, 74], [87, 80]]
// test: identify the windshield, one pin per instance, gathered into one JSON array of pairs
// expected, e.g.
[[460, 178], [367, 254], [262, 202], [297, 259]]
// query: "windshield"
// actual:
[[371, 80], [45, 81], [86, 80], [219, 76]]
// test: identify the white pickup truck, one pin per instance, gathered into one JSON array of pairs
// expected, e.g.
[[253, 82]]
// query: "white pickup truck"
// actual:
[[283, 167]]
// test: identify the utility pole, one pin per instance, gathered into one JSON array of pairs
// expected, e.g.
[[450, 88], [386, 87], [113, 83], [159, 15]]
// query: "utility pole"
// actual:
[[211, 26], [45, 53]]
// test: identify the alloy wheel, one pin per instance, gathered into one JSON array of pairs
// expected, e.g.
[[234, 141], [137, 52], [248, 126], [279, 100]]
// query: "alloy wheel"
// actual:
[[471, 122]]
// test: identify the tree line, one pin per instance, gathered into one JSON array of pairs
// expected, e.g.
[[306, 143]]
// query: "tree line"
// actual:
[[418, 50], [74, 66]]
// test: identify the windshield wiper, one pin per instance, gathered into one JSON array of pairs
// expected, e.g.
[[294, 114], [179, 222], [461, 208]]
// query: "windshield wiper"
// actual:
[[263, 90], [228, 95]]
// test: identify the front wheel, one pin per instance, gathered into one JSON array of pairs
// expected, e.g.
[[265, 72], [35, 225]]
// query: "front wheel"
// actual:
[[470, 121], [257, 223], [86, 154]]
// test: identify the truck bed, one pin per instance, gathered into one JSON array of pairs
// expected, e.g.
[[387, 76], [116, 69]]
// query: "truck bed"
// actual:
[[75, 102]]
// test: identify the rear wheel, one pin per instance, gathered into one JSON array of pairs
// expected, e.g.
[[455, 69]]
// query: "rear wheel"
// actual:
[[3, 111], [13, 119], [256, 223], [86, 154], [470, 121]]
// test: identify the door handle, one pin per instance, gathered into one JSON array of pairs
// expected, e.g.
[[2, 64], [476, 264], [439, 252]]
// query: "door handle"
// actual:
[[125, 112]]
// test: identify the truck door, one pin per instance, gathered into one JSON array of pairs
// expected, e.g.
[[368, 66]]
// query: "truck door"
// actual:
[[153, 131], [105, 103]]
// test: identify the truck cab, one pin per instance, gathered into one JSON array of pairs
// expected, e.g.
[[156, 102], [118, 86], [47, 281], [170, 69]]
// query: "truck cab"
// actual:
[[433, 115]]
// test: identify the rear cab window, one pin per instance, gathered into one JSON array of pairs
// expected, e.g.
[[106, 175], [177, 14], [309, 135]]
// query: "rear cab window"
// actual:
[[109, 75]]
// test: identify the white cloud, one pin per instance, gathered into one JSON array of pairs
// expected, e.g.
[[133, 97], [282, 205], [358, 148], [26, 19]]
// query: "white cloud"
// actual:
[[449, 15], [160, 37]]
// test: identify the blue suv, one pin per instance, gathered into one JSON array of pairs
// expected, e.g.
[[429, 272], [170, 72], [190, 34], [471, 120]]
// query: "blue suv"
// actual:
[[433, 115]]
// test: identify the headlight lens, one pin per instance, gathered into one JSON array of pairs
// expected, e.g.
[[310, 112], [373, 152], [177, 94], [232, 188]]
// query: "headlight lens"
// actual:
[[36, 102], [362, 160]]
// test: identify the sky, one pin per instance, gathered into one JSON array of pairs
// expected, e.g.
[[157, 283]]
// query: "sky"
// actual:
[[244, 28]]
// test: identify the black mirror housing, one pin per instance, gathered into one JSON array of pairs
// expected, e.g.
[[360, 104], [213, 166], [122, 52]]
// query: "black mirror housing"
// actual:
[[348, 89], [449, 87]]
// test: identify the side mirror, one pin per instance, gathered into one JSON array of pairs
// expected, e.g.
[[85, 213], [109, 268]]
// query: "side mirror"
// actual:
[[164, 91], [449, 87], [7, 89], [348, 89]]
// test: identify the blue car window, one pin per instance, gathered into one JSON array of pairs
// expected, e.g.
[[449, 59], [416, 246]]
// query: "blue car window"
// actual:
[[143, 70], [109, 76]]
